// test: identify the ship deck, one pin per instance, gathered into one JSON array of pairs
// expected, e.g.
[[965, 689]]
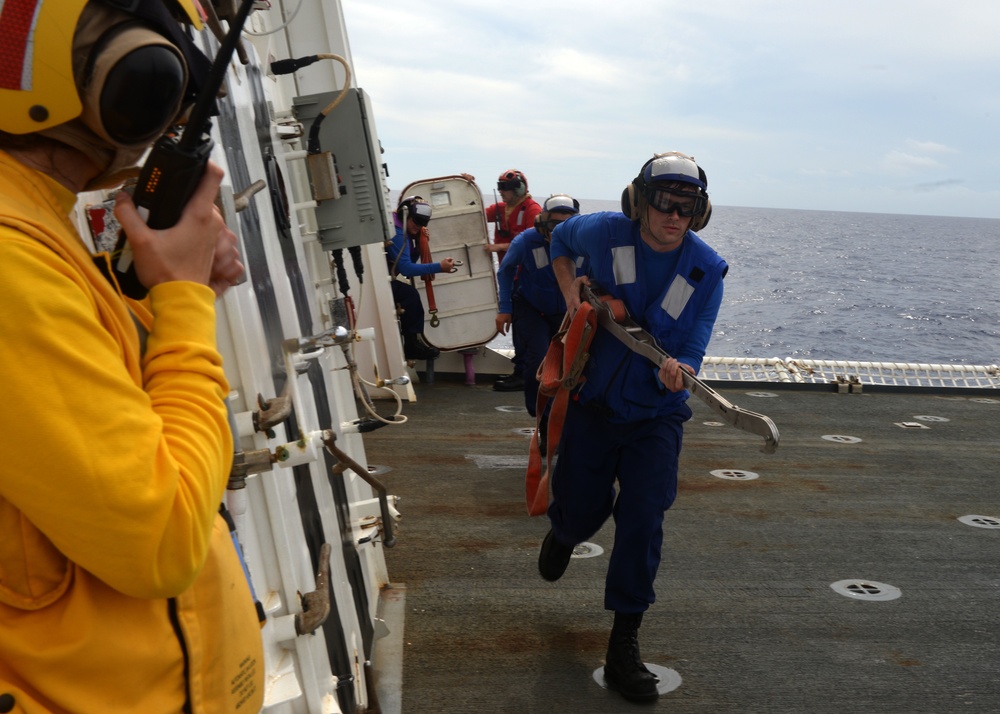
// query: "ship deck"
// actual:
[[746, 615]]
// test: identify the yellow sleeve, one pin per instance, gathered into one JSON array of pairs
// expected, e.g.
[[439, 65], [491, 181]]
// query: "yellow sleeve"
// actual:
[[121, 465]]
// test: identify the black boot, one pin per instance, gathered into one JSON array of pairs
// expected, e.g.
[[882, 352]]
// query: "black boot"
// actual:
[[416, 347], [510, 383], [553, 558], [624, 671]]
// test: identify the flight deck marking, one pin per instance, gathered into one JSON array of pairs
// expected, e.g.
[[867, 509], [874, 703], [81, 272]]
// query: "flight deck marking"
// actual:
[[487, 461], [667, 680], [587, 550], [866, 590], [735, 474]]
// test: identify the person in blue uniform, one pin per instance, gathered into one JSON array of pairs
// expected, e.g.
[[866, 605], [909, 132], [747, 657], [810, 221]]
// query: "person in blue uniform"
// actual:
[[624, 425], [411, 219], [532, 306]]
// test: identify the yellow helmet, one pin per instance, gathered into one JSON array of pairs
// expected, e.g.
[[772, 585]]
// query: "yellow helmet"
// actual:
[[37, 86]]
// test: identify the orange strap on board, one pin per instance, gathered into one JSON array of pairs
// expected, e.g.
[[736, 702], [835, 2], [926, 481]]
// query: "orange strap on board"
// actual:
[[559, 374], [424, 246]]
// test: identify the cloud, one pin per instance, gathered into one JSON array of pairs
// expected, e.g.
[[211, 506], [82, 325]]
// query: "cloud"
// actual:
[[825, 172], [562, 67], [900, 162], [938, 185], [930, 147], [918, 157], [816, 99]]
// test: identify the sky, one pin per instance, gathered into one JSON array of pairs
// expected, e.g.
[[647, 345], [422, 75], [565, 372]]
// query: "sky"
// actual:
[[884, 106]]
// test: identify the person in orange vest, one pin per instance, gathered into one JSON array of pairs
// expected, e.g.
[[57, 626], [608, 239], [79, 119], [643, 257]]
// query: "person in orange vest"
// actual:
[[515, 213], [121, 589]]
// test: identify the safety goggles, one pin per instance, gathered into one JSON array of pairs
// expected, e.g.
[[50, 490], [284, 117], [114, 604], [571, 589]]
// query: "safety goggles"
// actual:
[[551, 223], [666, 201], [420, 213], [511, 185]]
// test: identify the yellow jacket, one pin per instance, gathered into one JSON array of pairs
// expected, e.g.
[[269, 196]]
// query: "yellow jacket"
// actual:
[[120, 588]]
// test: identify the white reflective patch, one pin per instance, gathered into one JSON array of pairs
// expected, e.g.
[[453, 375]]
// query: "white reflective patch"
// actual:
[[623, 261], [541, 257], [677, 297], [579, 262]]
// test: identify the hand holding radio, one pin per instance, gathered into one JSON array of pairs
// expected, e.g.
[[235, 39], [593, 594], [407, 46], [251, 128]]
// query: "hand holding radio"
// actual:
[[199, 247]]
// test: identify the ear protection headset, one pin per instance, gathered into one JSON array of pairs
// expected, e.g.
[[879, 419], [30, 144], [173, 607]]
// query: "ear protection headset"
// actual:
[[125, 67], [669, 166]]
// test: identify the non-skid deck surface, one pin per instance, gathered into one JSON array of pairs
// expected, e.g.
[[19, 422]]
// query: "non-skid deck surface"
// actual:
[[745, 612]]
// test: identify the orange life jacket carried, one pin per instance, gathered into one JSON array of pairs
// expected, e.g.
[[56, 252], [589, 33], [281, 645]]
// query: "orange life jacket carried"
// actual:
[[559, 374]]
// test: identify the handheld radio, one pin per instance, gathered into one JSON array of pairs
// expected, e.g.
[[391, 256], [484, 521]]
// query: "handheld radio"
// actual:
[[176, 163]]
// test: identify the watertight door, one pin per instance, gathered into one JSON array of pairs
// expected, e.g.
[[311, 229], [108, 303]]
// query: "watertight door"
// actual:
[[461, 306]]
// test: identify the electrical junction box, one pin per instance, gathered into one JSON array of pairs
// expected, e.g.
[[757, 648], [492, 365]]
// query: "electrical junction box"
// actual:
[[350, 149]]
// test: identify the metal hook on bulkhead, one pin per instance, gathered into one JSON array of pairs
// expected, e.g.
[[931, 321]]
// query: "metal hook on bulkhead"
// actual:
[[345, 462], [316, 604]]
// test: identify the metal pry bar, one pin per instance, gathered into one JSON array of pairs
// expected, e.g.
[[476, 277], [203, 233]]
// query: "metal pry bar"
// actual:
[[641, 342]]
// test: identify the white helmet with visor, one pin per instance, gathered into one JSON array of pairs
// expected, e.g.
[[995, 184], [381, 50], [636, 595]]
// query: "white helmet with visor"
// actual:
[[670, 182]]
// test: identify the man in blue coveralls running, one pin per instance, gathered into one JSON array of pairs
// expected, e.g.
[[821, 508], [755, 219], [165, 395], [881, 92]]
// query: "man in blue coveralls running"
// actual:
[[625, 424]]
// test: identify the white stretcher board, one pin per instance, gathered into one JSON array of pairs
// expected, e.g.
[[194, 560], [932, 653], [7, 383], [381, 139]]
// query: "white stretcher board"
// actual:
[[467, 299]]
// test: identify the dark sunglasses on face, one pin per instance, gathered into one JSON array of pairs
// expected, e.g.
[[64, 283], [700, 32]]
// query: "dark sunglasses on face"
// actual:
[[686, 204], [550, 224], [511, 185]]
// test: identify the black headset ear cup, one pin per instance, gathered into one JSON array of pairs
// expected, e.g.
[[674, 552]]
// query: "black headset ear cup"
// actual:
[[630, 200], [134, 81], [699, 222], [627, 201]]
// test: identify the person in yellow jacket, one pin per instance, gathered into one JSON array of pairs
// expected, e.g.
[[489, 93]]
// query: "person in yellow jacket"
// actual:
[[120, 586]]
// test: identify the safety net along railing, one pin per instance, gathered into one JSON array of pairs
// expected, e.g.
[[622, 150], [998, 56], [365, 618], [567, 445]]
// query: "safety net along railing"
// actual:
[[803, 371]]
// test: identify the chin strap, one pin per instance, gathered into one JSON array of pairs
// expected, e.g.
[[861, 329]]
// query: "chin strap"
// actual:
[[117, 164]]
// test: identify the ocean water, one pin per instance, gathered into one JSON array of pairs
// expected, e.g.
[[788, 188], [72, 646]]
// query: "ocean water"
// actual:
[[853, 286]]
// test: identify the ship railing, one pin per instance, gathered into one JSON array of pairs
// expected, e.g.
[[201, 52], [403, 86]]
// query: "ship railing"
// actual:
[[805, 371]]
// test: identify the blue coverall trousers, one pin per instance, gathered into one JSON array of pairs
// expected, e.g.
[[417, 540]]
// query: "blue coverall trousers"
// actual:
[[532, 333], [411, 322], [594, 454]]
